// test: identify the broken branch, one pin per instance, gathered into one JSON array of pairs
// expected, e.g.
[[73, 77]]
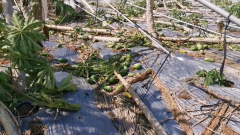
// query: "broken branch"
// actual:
[[153, 121]]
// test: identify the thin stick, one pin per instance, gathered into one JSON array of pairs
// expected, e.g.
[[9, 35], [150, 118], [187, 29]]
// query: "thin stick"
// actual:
[[57, 111], [200, 121]]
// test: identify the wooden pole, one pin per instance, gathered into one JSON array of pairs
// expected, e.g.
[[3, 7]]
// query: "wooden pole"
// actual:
[[153, 121]]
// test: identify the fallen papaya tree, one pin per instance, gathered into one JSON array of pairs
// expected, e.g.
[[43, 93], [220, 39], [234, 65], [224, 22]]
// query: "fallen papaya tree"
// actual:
[[202, 40], [68, 28]]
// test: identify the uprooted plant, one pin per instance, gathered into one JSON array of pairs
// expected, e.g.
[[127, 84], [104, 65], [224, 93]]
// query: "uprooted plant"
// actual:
[[96, 68], [101, 71], [18, 44]]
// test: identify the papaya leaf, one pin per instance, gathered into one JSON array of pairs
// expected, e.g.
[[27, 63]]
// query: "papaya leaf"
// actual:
[[47, 98], [202, 73], [68, 85]]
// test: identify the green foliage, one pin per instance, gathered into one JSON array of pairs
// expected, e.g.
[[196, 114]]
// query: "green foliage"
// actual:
[[212, 77], [25, 29], [95, 69], [235, 9], [67, 84], [194, 18], [19, 45], [130, 10], [178, 15], [222, 3], [130, 40]]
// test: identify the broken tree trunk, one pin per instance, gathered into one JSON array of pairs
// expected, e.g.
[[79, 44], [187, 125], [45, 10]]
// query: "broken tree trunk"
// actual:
[[37, 9], [202, 40], [45, 9], [67, 28], [153, 121], [214, 123], [25, 7], [150, 19]]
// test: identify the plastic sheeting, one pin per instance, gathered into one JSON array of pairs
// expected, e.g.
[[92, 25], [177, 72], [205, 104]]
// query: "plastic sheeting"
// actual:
[[172, 74], [88, 121], [152, 99]]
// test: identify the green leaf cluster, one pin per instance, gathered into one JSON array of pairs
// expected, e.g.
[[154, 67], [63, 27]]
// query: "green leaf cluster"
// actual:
[[212, 77], [235, 9], [95, 68], [18, 44]]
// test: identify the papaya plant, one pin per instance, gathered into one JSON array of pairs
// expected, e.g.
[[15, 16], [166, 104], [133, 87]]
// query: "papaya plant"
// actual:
[[18, 44], [212, 77]]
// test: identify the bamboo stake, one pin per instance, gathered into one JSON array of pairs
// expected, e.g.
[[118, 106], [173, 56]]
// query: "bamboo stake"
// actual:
[[153, 121], [203, 40], [67, 28]]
